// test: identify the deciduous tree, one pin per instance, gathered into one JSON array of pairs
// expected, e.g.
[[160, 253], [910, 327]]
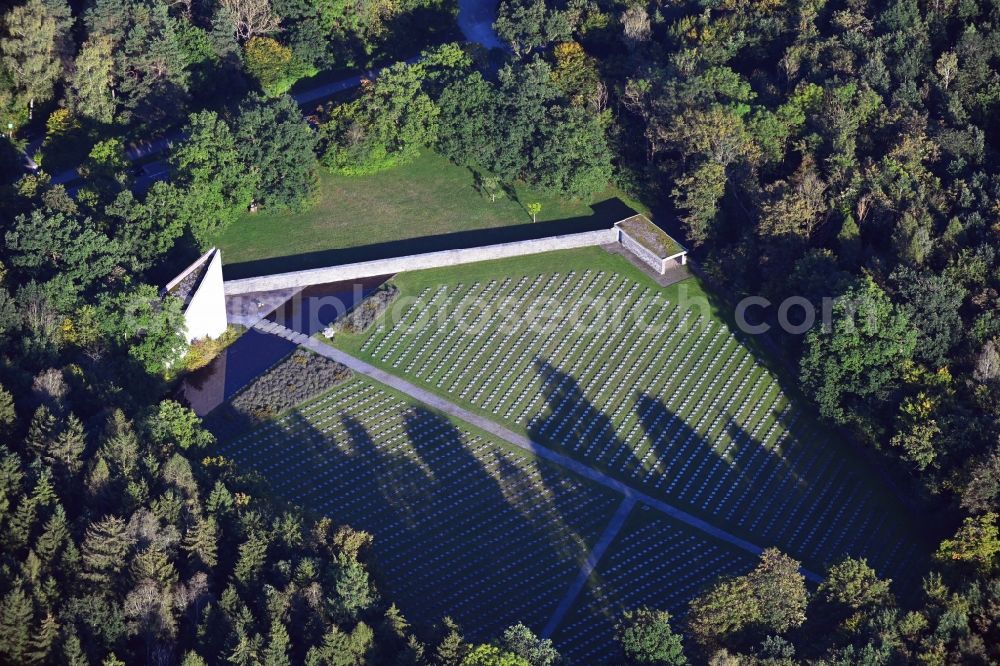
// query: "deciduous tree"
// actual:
[[981, 493], [520, 640], [91, 84], [854, 361], [852, 585], [527, 25], [646, 638], [150, 327], [931, 303], [251, 18], [213, 181], [275, 147], [976, 542], [780, 591], [37, 44], [274, 65], [385, 127], [572, 154], [51, 245]]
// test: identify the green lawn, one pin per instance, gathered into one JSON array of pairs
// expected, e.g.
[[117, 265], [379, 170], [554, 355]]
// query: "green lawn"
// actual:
[[429, 197], [673, 402], [458, 518], [679, 405]]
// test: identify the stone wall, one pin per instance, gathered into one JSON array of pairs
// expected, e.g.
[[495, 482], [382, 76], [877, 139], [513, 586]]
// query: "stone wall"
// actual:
[[356, 271], [646, 256]]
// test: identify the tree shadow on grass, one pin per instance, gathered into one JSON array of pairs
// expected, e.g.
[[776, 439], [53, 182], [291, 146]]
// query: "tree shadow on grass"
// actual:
[[605, 214], [572, 423], [794, 498], [720, 477], [503, 529], [732, 476], [484, 536]]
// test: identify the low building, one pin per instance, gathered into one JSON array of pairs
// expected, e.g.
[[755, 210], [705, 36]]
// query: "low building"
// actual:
[[651, 244]]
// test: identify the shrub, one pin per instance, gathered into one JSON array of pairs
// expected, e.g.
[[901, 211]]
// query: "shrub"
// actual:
[[274, 65], [60, 122], [366, 313], [292, 380], [203, 351]]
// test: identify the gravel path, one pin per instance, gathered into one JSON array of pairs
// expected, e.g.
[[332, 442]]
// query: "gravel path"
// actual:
[[610, 532]]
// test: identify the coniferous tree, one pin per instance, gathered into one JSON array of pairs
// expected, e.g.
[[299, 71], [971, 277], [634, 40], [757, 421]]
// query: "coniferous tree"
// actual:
[[16, 621], [8, 414], [22, 522], [43, 642], [42, 432], [276, 653], [201, 541], [353, 588], [152, 563], [252, 556], [452, 648], [66, 453], [54, 537], [105, 546]]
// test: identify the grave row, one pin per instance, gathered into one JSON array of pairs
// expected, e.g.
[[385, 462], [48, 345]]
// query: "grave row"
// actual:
[[677, 405], [648, 564], [459, 520]]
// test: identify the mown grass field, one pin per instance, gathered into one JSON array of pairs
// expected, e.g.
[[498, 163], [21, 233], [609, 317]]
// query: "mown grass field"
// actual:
[[584, 353], [460, 520], [429, 197], [470, 527]]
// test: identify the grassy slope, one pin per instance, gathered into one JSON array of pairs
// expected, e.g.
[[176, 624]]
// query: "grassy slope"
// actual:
[[410, 284], [317, 441], [429, 197]]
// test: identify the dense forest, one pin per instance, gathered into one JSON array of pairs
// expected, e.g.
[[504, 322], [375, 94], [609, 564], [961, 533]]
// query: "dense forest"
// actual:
[[817, 149]]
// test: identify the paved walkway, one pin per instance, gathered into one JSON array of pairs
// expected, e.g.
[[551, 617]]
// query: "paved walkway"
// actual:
[[674, 274], [327, 90], [251, 309], [268, 326], [520, 441], [610, 532]]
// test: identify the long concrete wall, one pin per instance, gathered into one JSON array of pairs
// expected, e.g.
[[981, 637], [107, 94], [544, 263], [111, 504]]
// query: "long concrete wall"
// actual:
[[356, 271]]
